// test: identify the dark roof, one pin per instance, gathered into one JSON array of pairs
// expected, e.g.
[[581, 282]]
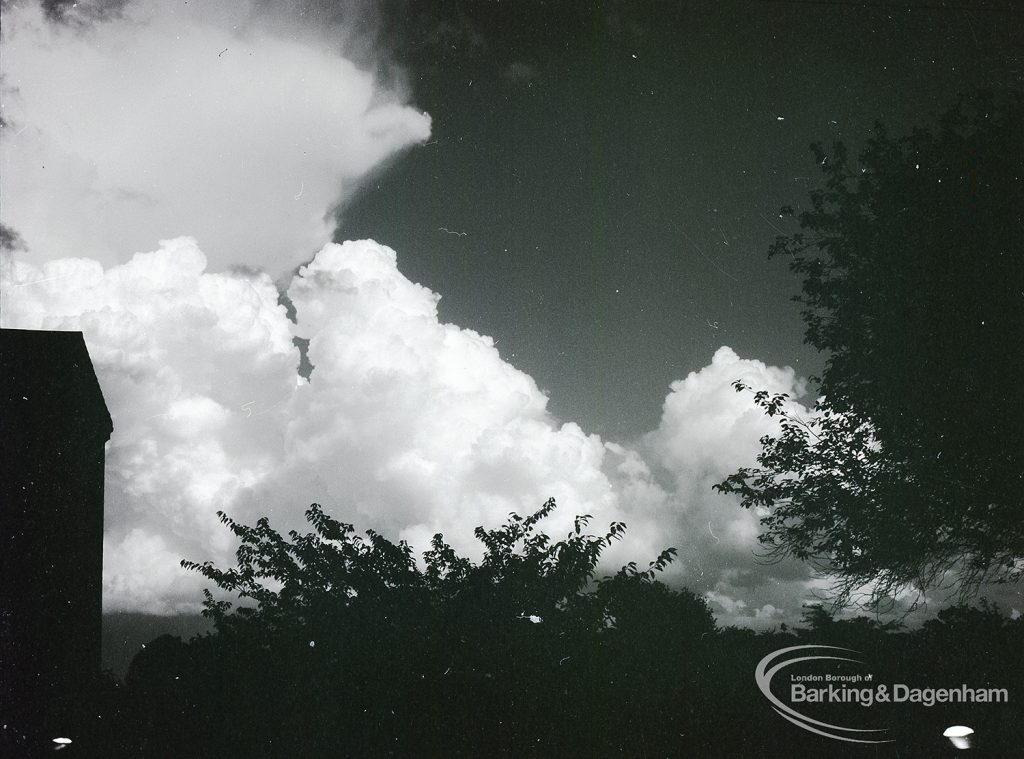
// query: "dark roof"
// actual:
[[47, 381]]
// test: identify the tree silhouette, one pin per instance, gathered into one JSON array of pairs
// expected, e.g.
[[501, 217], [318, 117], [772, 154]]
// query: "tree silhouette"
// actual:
[[345, 645], [348, 643], [909, 470]]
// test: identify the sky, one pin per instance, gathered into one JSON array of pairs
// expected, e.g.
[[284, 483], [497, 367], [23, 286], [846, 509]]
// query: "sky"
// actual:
[[427, 264]]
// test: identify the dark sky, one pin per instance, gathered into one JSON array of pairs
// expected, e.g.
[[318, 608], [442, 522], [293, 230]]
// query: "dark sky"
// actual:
[[603, 180]]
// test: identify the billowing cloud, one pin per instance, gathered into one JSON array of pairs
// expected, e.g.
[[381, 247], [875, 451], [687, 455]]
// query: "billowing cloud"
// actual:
[[434, 421], [406, 424], [237, 125], [707, 431], [179, 353]]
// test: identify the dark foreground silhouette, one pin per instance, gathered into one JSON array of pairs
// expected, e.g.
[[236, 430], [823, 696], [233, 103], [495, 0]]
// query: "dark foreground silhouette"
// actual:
[[352, 648]]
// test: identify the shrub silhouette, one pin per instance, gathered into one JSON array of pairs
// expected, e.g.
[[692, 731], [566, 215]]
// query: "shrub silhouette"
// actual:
[[354, 647], [344, 645]]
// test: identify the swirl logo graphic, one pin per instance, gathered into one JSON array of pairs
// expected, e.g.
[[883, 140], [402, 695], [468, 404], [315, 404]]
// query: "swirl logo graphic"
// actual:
[[778, 660]]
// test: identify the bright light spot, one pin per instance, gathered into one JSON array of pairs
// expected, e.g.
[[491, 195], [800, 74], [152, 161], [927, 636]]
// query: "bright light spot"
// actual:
[[957, 731], [535, 619], [312, 644], [959, 736]]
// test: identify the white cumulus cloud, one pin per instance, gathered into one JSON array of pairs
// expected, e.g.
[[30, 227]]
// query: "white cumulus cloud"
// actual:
[[407, 424], [179, 352], [213, 119], [707, 431]]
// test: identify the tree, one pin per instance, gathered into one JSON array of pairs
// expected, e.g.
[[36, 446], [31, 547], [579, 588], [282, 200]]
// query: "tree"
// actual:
[[910, 470], [353, 648], [333, 572], [451, 657]]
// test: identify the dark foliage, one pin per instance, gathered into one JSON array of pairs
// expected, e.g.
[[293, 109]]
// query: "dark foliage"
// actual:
[[352, 648], [370, 654], [910, 471]]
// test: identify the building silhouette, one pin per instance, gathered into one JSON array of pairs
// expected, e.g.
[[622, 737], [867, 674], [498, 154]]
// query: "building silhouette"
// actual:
[[54, 428]]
